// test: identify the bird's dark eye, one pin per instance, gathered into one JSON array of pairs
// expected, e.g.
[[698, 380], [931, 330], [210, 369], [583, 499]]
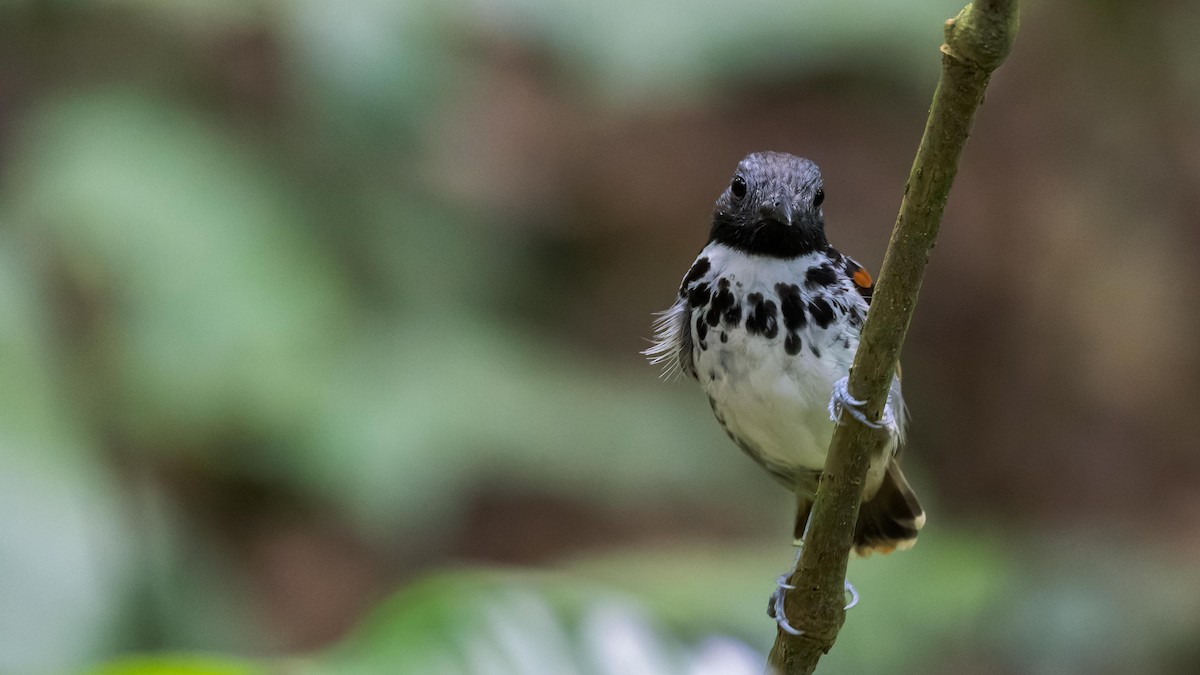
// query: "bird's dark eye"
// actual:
[[738, 187], [818, 198]]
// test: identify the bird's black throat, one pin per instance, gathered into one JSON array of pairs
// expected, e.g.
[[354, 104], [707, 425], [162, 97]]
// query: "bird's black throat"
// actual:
[[769, 238]]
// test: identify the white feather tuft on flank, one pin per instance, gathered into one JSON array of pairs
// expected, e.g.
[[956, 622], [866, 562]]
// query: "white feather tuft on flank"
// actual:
[[919, 522], [898, 410], [668, 340]]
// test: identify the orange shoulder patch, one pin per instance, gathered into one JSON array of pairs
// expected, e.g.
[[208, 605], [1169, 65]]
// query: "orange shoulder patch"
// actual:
[[862, 278]]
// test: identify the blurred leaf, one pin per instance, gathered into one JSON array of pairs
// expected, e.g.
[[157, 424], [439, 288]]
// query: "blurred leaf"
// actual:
[[224, 315], [1075, 606], [940, 593], [523, 624], [64, 550], [912, 602], [371, 70], [1099, 604], [432, 260], [222, 305], [190, 596], [636, 49], [34, 408], [695, 606], [64, 563], [191, 15], [417, 413], [179, 665]]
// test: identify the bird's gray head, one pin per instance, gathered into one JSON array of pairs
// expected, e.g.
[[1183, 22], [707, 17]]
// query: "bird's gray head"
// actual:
[[772, 207]]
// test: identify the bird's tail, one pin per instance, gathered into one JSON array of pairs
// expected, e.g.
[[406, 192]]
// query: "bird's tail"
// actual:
[[887, 522], [890, 520]]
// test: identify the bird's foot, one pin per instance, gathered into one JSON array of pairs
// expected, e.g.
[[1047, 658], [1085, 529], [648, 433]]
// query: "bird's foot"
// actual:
[[842, 400], [775, 603], [853, 594]]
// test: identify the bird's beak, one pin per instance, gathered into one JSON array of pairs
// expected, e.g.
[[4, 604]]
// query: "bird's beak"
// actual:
[[777, 208]]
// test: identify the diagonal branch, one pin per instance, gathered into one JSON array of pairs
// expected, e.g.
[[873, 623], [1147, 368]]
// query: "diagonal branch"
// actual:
[[977, 41]]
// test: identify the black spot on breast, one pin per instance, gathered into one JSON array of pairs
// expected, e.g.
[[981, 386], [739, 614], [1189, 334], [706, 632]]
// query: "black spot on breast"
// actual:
[[822, 313], [791, 306], [791, 344], [724, 337], [722, 303], [699, 269], [699, 295], [824, 275], [772, 328], [701, 332], [762, 318], [816, 352], [733, 315]]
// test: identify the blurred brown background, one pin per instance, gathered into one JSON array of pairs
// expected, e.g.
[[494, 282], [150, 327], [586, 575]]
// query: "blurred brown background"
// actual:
[[300, 302]]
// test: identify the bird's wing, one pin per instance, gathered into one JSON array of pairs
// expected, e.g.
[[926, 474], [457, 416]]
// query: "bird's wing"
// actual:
[[861, 278], [865, 286]]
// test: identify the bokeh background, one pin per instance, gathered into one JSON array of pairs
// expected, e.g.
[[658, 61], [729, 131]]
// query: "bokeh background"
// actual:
[[320, 321]]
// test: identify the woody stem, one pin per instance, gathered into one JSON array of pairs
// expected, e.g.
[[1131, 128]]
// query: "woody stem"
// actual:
[[976, 43]]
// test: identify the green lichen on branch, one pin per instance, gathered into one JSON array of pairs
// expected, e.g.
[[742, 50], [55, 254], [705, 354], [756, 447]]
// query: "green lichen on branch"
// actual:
[[976, 42]]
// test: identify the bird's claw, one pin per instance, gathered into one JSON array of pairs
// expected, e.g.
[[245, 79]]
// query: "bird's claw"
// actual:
[[775, 606], [842, 400], [853, 594], [775, 603]]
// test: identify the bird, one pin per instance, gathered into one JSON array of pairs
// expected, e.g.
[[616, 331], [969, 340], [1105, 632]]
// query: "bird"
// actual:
[[767, 319]]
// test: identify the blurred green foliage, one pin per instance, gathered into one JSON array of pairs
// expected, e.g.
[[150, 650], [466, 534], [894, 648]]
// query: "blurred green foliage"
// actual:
[[237, 301], [630, 50], [951, 590], [179, 665], [522, 622]]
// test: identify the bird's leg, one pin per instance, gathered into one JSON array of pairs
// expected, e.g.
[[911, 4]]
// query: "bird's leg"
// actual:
[[842, 400], [775, 603]]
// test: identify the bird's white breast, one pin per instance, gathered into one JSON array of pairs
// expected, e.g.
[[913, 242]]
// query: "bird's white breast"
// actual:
[[775, 402]]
